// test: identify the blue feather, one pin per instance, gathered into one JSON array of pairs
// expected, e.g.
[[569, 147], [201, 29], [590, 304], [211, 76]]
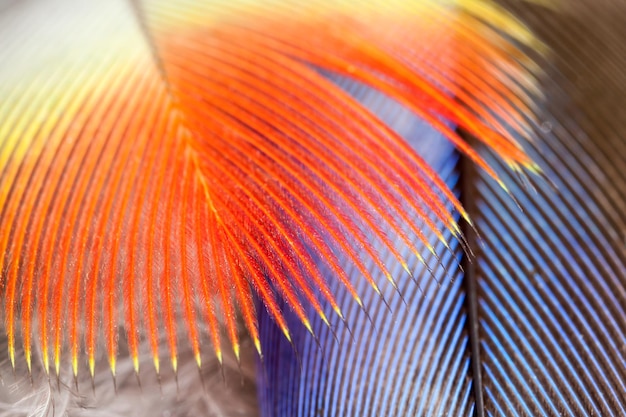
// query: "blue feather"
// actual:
[[535, 324]]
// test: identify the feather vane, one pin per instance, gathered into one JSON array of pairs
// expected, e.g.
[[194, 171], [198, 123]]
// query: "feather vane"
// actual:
[[174, 158]]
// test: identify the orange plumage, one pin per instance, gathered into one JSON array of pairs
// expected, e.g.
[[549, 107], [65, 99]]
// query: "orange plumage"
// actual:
[[186, 163]]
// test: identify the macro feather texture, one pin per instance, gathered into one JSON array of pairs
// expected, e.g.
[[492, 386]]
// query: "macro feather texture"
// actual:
[[534, 324], [189, 182]]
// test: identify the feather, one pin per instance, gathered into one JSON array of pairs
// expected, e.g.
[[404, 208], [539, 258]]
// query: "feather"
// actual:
[[562, 278], [534, 323], [410, 359], [163, 164], [114, 148]]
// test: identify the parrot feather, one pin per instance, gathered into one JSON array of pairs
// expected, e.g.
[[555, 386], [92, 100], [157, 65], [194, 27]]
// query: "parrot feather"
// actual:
[[534, 323], [219, 108], [174, 172]]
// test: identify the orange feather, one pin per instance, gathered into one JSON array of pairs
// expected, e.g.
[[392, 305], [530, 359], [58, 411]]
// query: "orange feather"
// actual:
[[197, 157]]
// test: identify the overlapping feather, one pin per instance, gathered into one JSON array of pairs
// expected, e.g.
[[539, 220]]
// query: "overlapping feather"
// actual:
[[165, 162], [411, 359], [535, 323]]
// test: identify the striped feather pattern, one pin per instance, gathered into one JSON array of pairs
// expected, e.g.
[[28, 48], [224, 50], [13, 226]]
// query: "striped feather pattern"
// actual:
[[165, 165], [164, 162], [543, 300], [551, 278], [411, 357]]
